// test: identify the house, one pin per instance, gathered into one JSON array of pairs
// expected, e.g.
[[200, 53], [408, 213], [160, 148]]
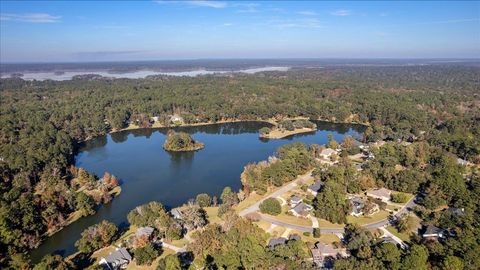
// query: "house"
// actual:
[[380, 193], [327, 153], [315, 187], [359, 166], [295, 200], [357, 206], [321, 252], [276, 242], [176, 119], [119, 259], [463, 162], [294, 237], [176, 213], [154, 118], [301, 210], [433, 233], [456, 211], [145, 232]]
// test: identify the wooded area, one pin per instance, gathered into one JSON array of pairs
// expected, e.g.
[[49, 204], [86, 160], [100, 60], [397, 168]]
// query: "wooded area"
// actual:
[[41, 124]]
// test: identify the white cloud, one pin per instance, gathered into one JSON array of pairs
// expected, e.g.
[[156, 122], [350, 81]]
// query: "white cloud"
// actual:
[[30, 17], [198, 3], [247, 7], [341, 12], [307, 13], [227, 24], [298, 23]]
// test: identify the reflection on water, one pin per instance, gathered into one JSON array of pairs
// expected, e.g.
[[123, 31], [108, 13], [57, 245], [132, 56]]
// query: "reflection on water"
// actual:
[[147, 172]]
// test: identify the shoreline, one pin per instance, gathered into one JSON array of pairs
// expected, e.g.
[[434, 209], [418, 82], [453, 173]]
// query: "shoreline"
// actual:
[[276, 134], [270, 121]]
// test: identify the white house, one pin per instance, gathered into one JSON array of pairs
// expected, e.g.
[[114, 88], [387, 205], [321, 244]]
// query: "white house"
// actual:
[[327, 153]]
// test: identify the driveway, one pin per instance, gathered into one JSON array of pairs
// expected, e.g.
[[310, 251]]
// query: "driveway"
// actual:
[[255, 207]]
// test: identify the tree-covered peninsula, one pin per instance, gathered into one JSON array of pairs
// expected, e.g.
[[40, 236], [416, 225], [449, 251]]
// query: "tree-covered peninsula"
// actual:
[[181, 141]]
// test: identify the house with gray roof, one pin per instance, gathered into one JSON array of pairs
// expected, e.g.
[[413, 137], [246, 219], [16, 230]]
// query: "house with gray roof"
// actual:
[[456, 211], [433, 232], [144, 232], [295, 200], [301, 210], [357, 204], [119, 259], [315, 187], [276, 242], [176, 213]]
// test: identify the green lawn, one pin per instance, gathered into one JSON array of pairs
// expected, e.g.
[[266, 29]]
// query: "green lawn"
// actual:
[[327, 224], [212, 214], [293, 220], [404, 236], [263, 224], [250, 200], [363, 220], [178, 243]]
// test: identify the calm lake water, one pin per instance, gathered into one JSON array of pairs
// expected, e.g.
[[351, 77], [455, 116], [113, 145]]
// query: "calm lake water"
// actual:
[[148, 173]]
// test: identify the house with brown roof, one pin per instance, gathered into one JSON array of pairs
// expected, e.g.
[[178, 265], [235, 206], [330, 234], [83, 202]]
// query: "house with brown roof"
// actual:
[[321, 252]]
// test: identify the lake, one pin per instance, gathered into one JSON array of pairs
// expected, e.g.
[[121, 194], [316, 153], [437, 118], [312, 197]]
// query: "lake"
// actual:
[[148, 173]]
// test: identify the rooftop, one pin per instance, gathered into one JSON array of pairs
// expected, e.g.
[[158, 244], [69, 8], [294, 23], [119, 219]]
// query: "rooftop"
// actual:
[[316, 186], [432, 230], [380, 192], [118, 256], [277, 241], [147, 231]]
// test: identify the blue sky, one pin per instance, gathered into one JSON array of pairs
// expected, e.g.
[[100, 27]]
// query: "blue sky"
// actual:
[[154, 30]]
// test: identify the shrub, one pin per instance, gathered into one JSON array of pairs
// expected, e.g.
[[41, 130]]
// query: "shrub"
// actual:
[[316, 232], [271, 206], [399, 197], [306, 234], [203, 200], [146, 254], [264, 131]]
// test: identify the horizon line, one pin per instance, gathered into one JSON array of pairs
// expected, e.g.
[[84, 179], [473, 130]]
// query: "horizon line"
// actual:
[[246, 58]]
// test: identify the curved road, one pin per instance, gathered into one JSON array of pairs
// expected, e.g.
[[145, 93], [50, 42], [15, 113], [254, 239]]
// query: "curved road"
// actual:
[[255, 207]]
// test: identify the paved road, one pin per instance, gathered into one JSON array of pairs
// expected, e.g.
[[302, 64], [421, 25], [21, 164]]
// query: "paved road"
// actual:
[[254, 208], [380, 224], [172, 247]]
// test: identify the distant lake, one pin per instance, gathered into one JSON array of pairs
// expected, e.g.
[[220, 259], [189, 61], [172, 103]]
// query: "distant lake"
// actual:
[[138, 74], [148, 173]]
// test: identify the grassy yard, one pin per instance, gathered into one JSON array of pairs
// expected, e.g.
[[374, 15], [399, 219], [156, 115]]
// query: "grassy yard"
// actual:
[[263, 224], [327, 224], [293, 220], [324, 238], [277, 231], [212, 214], [153, 266], [178, 243], [363, 220], [404, 236], [250, 200]]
